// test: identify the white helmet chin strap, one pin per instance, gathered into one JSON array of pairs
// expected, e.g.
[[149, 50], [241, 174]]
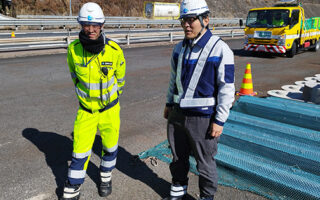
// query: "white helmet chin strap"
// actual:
[[199, 34]]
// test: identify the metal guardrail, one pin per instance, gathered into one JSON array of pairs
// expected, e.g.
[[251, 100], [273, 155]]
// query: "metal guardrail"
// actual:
[[71, 17], [109, 22], [23, 44], [44, 17]]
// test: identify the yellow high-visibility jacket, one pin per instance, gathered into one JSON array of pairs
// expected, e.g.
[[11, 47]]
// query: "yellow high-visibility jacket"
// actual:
[[95, 89]]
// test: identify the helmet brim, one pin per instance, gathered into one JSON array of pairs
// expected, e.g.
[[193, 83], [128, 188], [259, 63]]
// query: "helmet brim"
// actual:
[[194, 15], [186, 16], [90, 23]]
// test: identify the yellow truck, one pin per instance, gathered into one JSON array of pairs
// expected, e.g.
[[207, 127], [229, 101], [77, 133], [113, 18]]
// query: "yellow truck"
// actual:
[[281, 29]]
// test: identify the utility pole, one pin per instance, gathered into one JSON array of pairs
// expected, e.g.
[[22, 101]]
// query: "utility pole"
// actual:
[[70, 8]]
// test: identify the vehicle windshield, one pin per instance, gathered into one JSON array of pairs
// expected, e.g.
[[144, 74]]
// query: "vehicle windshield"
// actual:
[[267, 18]]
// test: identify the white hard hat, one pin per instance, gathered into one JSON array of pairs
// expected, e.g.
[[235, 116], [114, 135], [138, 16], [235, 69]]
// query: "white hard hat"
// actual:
[[193, 8], [91, 13]]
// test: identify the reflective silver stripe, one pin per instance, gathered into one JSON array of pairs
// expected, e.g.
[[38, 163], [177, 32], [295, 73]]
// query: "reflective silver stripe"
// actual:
[[73, 75], [199, 67], [70, 190], [108, 164], [81, 93], [105, 176], [189, 101], [70, 196], [120, 80], [70, 193], [96, 86], [81, 155], [179, 68], [112, 149], [108, 95], [104, 97], [177, 191], [198, 102], [77, 173]]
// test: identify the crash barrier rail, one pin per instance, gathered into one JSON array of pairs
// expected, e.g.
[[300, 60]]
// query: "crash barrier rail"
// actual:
[[71, 17], [22, 44], [109, 22]]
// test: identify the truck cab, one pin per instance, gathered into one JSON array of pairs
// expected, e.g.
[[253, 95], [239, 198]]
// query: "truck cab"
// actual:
[[280, 29]]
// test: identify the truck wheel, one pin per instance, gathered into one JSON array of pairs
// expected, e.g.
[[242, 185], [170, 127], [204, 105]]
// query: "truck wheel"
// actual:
[[292, 51], [316, 46]]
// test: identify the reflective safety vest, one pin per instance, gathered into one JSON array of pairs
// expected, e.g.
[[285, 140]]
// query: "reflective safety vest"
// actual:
[[98, 78], [278, 22], [202, 77]]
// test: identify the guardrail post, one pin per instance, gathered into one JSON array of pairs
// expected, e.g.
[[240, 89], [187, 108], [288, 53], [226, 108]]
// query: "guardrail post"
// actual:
[[17, 27], [119, 25], [171, 37], [232, 34], [128, 39], [42, 27], [68, 38]]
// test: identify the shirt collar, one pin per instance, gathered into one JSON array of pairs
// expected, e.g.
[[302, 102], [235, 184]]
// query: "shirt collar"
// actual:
[[204, 39]]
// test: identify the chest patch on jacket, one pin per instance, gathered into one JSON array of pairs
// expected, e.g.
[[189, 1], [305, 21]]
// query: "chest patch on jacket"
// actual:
[[106, 63]]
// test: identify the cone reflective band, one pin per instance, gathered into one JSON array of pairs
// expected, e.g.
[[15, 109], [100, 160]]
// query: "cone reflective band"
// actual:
[[247, 86]]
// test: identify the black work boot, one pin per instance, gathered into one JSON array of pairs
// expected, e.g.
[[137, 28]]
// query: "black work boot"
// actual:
[[105, 187], [71, 192]]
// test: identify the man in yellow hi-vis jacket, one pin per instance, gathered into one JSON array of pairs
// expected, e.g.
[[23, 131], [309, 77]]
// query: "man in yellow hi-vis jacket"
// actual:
[[97, 67]]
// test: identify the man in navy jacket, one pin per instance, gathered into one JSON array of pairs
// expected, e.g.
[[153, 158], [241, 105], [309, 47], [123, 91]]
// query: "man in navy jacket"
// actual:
[[200, 95]]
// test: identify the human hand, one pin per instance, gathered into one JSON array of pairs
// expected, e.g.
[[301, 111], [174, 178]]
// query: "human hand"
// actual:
[[216, 130]]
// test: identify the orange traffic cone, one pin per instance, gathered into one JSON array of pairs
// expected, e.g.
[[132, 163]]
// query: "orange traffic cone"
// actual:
[[246, 86], [13, 35]]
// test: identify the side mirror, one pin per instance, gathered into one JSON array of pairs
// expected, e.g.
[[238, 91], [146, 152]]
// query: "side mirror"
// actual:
[[240, 22]]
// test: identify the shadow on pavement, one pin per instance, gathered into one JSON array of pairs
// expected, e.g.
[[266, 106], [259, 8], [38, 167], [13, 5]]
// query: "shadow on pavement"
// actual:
[[58, 150], [243, 53], [133, 167]]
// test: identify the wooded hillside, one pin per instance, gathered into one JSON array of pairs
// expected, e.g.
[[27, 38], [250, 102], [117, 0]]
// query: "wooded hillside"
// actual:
[[219, 8]]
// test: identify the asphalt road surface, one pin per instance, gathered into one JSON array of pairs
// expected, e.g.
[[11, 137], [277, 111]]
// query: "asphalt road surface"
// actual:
[[38, 107]]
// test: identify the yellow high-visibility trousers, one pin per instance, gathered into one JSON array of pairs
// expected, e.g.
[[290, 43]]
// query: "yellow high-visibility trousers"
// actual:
[[85, 129]]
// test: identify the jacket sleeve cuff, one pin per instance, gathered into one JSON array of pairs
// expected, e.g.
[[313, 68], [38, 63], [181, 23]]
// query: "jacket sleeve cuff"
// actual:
[[218, 122]]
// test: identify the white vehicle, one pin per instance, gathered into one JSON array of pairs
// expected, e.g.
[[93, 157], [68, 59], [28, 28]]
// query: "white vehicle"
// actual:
[[159, 10]]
